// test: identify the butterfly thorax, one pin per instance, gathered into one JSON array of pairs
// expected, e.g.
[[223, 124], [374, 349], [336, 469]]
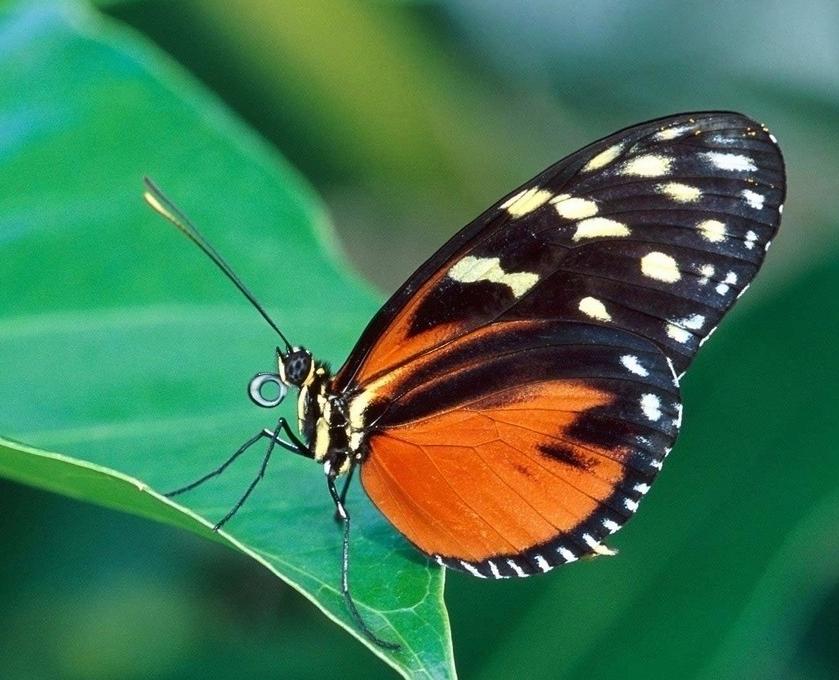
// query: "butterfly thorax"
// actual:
[[322, 415]]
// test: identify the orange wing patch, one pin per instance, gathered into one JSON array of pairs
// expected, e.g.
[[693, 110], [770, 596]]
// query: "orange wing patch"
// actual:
[[496, 477]]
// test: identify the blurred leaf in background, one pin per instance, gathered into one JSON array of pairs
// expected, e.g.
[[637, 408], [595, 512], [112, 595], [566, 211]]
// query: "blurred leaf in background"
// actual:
[[410, 118]]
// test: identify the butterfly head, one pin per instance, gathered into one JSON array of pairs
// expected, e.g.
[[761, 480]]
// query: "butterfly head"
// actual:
[[296, 366]]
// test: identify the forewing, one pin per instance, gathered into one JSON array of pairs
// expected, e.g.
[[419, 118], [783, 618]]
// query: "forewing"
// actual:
[[656, 229], [520, 447]]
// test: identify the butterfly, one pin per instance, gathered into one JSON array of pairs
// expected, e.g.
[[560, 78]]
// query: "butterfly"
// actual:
[[513, 401]]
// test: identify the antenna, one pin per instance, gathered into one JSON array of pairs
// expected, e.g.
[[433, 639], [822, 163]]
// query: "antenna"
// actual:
[[164, 207]]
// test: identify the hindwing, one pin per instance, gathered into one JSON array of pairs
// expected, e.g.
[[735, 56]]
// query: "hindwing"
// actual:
[[525, 455]]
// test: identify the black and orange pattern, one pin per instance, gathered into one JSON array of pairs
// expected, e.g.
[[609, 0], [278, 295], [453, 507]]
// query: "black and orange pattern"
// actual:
[[515, 398]]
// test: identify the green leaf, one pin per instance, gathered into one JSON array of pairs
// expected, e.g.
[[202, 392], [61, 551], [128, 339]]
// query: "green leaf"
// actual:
[[125, 350]]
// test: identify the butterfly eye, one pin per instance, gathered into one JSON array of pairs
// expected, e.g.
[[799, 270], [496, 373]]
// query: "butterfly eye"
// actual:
[[296, 366], [259, 381]]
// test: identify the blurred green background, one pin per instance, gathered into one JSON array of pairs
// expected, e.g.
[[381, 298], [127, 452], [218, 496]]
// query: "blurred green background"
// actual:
[[409, 118]]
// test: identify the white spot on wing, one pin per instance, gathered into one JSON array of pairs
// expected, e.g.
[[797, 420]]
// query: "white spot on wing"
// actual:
[[566, 554], [642, 488], [595, 309], [603, 158], [712, 230], [751, 237], [677, 421], [673, 371], [660, 266], [542, 563], [516, 568], [649, 165], [707, 337], [754, 199], [734, 162], [681, 193], [694, 322], [630, 505], [611, 526], [730, 279], [471, 269], [632, 365], [651, 406], [595, 227], [526, 201], [574, 208], [493, 569], [471, 569], [707, 271]]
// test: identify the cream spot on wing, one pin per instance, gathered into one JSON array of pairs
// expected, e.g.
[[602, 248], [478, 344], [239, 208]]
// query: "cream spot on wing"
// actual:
[[660, 266], [595, 227], [681, 193], [712, 230], [671, 133], [651, 406], [472, 269], [649, 165], [631, 363], [603, 158], [574, 208], [678, 333], [526, 201], [597, 548], [734, 162], [754, 199], [595, 309]]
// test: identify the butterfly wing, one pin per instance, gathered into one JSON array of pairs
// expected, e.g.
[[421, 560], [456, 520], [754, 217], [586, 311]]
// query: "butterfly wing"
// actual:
[[656, 229], [517, 395], [520, 446]]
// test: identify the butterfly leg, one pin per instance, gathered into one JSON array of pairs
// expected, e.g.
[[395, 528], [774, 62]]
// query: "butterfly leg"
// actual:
[[341, 511], [344, 490], [295, 447]]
